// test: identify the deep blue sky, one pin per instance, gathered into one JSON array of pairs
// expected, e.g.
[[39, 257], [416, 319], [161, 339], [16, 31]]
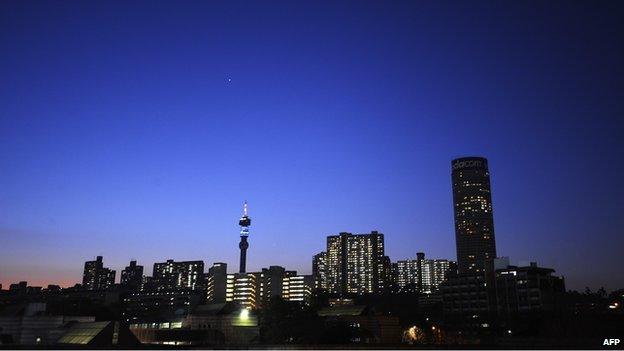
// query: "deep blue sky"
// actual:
[[122, 135]]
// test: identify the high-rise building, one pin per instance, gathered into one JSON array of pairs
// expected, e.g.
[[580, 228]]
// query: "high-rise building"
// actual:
[[172, 275], [96, 276], [422, 275], [474, 221], [407, 273], [439, 271], [271, 283], [355, 263], [132, 276], [319, 271], [216, 284]]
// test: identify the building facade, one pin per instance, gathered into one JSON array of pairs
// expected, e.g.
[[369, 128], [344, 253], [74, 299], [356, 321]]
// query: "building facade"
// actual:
[[272, 281], [472, 208], [422, 275], [172, 275], [504, 292], [216, 283], [132, 276], [242, 288], [355, 263], [319, 271], [297, 288], [527, 289]]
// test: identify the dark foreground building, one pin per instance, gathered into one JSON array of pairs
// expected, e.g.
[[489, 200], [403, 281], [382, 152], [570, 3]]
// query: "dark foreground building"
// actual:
[[474, 221], [508, 295]]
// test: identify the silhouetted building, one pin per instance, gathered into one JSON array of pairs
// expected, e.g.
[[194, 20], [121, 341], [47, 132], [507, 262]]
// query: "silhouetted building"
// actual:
[[236, 326], [467, 299], [216, 283], [505, 292], [355, 263], [160, 305], [19, 288], [178, 275], [474, 221], [132, 276], [96, 276], [33, 324], [210, 325], [527, 289], [53, 288], [366, 326]]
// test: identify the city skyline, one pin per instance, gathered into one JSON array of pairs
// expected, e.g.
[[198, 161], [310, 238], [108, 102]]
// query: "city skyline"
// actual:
[[136, 135]]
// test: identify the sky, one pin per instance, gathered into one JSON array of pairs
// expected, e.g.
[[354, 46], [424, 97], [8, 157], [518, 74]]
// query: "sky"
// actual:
[[135, 130]]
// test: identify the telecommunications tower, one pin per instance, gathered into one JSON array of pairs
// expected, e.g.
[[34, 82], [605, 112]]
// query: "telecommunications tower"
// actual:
[[244, 223]]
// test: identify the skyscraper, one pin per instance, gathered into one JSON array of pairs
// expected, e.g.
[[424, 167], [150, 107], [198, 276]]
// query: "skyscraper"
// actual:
[[474, 221], [96, 276], [355, 263], [132, 276]]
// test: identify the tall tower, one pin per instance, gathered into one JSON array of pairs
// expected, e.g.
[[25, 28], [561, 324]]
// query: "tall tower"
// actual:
[[474, 221], [244, 223]]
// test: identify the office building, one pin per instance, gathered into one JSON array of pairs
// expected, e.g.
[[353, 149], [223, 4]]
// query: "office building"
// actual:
[[178, 275], [96, 276], [132, 276], [355, 263], [474, 221]]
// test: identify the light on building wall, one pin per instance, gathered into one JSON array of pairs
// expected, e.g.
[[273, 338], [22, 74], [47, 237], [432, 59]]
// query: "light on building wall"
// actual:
[[244, 314]]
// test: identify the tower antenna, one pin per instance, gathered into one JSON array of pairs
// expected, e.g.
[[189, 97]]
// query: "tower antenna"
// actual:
[[244, 224]]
